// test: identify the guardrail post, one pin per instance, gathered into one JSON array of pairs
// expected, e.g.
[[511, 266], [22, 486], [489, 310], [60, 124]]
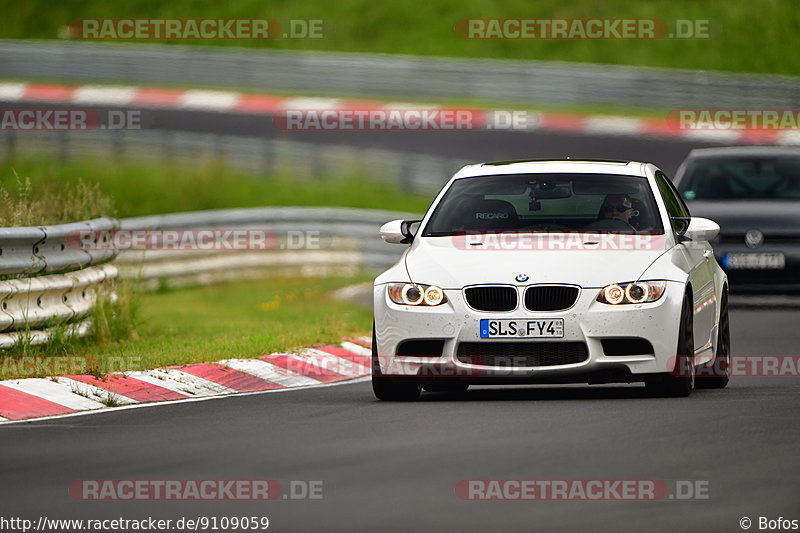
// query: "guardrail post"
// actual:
[[9, 144], [63, 147], [268, 158], [118, 144], [406, 172], [166, 147]]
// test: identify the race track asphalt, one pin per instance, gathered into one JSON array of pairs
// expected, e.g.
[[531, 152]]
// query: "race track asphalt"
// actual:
[[477, 146], [394, 467]]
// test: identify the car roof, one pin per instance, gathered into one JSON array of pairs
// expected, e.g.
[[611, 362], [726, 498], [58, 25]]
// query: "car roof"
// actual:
[[543, 166], [736, 151]]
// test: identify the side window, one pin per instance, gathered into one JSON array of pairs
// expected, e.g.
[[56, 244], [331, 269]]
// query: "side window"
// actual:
[[673, 201]]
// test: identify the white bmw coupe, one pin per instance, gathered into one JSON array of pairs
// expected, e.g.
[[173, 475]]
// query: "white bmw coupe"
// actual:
[[552, 272]]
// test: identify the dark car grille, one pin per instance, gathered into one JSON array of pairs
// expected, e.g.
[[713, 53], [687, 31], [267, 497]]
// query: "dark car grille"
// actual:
[[521, 354], [744, 279], [550, 297], [733, 238], [492, 298]]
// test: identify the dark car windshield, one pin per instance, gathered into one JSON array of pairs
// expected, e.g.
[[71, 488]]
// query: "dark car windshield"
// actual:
[[742, 178], [561, 202]]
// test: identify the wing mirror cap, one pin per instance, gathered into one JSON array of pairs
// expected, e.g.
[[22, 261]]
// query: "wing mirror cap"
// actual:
[[701, 229], [398, 231]]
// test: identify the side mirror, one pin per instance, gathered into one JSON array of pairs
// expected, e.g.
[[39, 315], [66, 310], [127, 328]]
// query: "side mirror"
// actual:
[[398, 231], [701, 229]]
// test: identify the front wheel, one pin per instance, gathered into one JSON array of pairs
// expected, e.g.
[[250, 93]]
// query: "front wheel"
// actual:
[[680, 382], [717, 374], [383, 387]]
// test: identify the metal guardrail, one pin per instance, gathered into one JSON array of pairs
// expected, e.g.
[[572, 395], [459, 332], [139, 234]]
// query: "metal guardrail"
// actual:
[[33, 308], [348, 242], [33, 250], [54, 284], [41, 336], [44, 300], [397, 76], [251, 155]]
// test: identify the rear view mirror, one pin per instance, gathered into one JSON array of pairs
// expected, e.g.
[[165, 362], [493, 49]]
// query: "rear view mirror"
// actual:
[[549, 190]]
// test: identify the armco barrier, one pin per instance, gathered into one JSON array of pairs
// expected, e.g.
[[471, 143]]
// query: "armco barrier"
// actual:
[[50, 285], [348, 238], [32, 250], [18, 250], [397, 76], [51, 281], [59, 256], [252, 155], [41, 336], [59, 298]]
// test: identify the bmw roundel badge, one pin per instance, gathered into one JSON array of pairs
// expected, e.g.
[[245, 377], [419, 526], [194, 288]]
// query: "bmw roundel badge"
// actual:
[[521, 277]]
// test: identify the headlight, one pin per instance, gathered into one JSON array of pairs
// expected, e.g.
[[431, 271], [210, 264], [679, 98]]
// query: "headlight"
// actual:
[[415, 294], [632, 293]]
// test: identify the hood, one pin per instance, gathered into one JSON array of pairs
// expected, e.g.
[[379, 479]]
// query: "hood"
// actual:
[[737, 217], [450, 264]]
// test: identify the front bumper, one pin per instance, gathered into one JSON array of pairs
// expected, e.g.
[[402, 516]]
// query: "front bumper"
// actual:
[[588, 321]]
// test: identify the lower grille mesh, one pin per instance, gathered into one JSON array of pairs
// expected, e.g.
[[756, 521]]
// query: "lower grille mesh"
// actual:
[[522, 354]]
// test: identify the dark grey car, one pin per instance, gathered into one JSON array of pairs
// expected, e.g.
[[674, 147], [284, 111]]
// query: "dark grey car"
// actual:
[[753, 193]]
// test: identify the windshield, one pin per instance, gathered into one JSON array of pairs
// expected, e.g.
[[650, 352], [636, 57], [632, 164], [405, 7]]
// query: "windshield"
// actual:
[[745, 178], [546, 203]]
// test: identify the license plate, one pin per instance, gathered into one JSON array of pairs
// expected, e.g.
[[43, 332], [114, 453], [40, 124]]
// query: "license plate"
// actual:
[[754, 261], [522, 328]]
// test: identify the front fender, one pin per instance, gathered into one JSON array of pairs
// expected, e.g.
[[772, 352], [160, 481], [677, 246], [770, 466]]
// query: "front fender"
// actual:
[[673, 265]]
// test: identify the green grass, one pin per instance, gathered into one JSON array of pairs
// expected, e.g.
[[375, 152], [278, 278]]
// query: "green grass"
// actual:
[[756, 36], [49, 203], [167, 327], [240, 319], [139, 189]]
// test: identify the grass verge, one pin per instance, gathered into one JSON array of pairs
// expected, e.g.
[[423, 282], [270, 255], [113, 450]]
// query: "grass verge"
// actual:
[[49, 203], [750, 37], [128, 189], [201, 324]]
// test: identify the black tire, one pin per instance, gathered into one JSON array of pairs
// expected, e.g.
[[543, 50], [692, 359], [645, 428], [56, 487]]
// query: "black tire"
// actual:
[[384, 388], [717, 374], [680, 382], [454, 387]]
